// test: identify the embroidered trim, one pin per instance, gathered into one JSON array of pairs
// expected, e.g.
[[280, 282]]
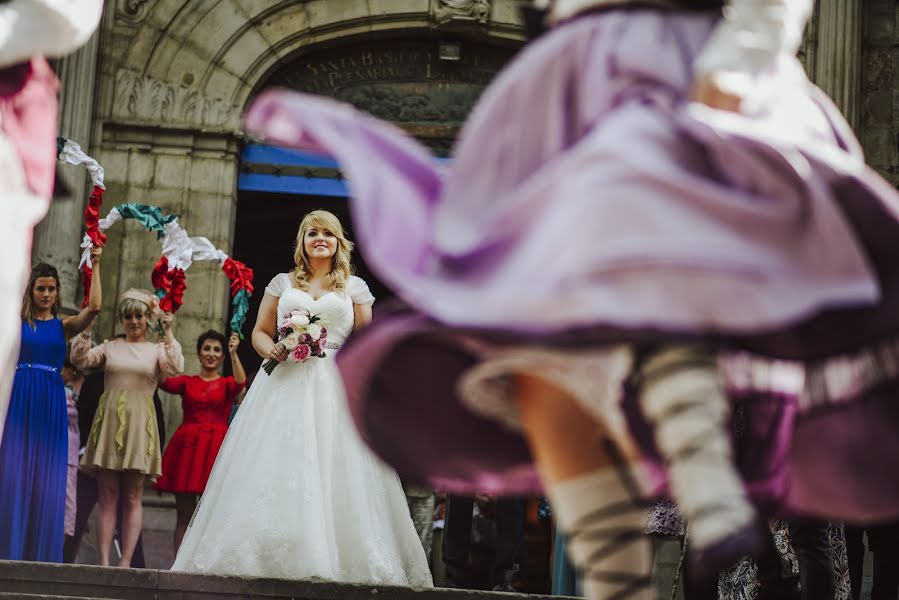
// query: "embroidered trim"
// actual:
[[120, 432], [94, 436], [151, 426], [833, 381]]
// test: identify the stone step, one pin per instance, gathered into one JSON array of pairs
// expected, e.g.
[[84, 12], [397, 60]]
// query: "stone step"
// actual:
[[21, 596], [158, 499], [41, 580]]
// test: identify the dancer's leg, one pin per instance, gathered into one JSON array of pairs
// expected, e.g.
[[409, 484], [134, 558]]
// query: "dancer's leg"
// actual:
[[595, 502], [681, 396]]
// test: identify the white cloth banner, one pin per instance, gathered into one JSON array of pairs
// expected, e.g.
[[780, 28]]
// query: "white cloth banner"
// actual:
[[206, 250], [105, 223], [177, 247], [74, 155]]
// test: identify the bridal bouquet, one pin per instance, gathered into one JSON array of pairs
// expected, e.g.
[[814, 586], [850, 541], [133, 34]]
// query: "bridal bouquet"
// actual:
[[303, 334]]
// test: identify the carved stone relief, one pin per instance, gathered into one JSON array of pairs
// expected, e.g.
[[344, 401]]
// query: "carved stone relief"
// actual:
[[141, 97], [132, 11], [446, 11]]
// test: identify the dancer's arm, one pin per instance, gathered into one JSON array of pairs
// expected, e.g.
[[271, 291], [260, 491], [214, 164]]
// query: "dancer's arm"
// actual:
[[747, 40], [49, 27], [76, 324]]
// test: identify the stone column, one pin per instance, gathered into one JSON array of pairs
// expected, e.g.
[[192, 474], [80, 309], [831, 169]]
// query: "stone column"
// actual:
[[57, 238], [838, 57]]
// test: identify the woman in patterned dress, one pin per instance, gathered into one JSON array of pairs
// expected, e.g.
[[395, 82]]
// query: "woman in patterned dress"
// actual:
[[123, 449]]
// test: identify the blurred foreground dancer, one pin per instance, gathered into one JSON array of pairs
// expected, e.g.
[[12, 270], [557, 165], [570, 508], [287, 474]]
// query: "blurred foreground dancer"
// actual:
[[29, 30], [648, 199]]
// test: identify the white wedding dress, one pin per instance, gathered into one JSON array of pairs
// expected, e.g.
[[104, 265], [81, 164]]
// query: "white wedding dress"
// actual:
[[294, 493]]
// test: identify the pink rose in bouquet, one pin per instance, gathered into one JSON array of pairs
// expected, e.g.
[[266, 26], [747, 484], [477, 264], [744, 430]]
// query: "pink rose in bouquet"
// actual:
[[303, 334], [301, 353]]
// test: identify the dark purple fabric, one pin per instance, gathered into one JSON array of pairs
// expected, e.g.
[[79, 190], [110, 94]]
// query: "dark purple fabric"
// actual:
[[837, 462]]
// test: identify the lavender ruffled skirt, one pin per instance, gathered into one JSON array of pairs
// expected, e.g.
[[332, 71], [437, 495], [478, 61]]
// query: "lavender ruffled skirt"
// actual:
[[588, 206]]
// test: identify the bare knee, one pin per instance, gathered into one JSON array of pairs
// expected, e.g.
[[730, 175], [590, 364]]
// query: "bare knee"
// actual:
[[107, 490], [132, 490], [132, 498]]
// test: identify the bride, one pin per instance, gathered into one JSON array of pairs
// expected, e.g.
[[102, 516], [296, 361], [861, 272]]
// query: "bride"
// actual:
[[294, 494]]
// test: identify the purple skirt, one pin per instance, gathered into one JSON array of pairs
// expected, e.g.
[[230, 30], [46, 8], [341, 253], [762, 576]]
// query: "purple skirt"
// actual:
[[589, 204]]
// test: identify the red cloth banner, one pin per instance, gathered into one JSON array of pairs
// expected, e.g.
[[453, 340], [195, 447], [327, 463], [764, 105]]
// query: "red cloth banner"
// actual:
[[241, 276], [92, 217]]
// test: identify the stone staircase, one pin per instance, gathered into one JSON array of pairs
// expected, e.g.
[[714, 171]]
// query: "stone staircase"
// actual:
[[33, 581]]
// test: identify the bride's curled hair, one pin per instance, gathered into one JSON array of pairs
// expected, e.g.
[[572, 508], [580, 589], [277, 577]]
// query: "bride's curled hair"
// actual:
[[341, 269]]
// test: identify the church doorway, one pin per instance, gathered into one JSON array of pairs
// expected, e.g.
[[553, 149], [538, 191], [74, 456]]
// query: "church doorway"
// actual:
[[427, 86]]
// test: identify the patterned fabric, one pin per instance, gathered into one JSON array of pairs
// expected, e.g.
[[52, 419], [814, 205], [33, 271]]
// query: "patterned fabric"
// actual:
[[741, 582], [664, 519]]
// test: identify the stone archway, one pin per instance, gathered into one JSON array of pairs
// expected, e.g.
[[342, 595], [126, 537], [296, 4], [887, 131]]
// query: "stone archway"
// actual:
[[426, 84], [200, 64], [174, 78]]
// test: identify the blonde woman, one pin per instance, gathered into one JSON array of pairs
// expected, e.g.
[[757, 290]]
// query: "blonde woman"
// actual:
[[294, 494], [123, 448]]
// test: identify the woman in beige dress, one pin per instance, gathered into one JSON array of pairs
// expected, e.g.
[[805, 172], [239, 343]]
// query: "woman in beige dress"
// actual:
[[123, 448]]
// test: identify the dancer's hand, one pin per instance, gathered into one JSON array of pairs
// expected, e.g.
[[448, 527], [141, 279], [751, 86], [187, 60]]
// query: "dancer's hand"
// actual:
[[278, 352], [707, 90], [233, 343]]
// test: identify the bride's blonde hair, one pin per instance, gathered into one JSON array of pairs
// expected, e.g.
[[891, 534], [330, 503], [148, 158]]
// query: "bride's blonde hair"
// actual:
[[341, 269]]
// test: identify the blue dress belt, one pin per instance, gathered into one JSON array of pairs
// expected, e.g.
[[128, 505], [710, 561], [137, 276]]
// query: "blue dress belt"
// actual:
[[36, 366]]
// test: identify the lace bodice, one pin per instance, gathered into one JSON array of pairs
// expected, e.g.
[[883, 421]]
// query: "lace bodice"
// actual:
[[336, 308]]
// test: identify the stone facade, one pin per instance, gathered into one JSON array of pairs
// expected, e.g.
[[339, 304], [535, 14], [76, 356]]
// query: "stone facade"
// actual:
[[173, 78], [157, 97], [879, 129]]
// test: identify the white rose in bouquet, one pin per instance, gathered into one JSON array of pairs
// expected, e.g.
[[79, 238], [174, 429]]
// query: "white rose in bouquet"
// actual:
[[314, 331], [299, 320], [291, 341]]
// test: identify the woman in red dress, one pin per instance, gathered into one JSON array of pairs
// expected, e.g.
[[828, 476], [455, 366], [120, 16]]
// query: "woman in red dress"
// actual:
[[206, 399]]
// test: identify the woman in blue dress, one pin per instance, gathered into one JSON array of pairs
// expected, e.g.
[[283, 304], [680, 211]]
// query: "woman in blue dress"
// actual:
[[34, 448]]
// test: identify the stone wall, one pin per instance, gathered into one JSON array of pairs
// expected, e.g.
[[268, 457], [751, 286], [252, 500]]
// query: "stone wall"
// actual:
[[880, 87], [173, 78]]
